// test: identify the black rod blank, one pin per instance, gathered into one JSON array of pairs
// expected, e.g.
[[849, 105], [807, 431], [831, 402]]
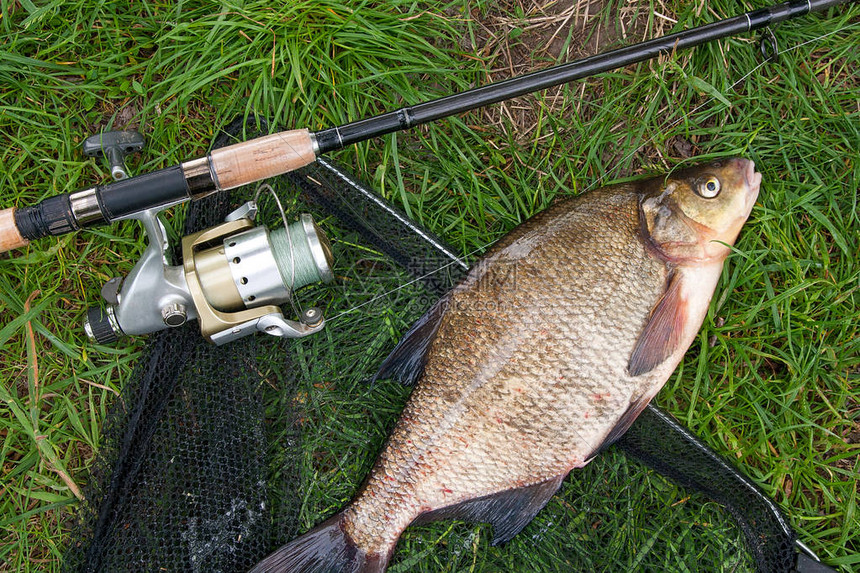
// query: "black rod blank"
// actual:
[[339, 137]]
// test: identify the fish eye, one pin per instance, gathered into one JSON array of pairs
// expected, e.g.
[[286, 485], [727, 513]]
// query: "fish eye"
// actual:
[[708, 187]]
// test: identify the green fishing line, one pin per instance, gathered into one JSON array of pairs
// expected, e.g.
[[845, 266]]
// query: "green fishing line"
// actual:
[[294, 257]]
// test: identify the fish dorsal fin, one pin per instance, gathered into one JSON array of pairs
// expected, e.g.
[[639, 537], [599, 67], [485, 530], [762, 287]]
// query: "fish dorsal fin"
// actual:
[[664, 330], [406, 361], [508, 511]]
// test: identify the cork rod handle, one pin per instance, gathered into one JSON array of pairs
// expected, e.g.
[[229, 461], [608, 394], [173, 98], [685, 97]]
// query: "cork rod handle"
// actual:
[[10, 237], [262, 157]]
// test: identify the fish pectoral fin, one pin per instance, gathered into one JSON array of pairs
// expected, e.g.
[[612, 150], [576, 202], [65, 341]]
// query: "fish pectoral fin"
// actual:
[[508, 511], [406, 361], [664, 330], [624, 422]]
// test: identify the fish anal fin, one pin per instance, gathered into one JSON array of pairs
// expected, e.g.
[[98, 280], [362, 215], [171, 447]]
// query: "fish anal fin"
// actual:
[[664, 330], [508, 511], [624, 422], [406, 361]]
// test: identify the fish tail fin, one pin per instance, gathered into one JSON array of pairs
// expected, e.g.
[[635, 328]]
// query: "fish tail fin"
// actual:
[[327, 548]]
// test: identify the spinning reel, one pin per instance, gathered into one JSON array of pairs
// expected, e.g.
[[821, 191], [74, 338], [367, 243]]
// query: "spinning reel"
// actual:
[[233, 278]]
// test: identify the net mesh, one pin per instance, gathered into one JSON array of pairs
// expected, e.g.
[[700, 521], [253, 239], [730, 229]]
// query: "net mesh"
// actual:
[[659, 441], [214, 456]]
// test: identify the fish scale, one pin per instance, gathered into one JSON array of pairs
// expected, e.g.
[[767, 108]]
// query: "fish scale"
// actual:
[[542, 356]]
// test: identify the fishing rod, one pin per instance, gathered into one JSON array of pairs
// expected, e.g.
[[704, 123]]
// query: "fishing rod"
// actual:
[[279, 153], [233, 277]]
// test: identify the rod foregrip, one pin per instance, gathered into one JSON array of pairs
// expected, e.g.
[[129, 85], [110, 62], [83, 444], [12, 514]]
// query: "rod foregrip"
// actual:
[[10, 236], [263, 157]]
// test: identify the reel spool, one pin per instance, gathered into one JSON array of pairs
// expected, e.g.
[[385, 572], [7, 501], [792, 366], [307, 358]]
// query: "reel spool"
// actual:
[[232, 279]]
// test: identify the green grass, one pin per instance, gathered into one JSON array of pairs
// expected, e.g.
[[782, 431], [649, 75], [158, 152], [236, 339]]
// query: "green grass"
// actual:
[[771, 382]]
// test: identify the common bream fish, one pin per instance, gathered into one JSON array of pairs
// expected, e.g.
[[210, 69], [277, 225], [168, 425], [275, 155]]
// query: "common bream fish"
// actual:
[[543, 355]]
